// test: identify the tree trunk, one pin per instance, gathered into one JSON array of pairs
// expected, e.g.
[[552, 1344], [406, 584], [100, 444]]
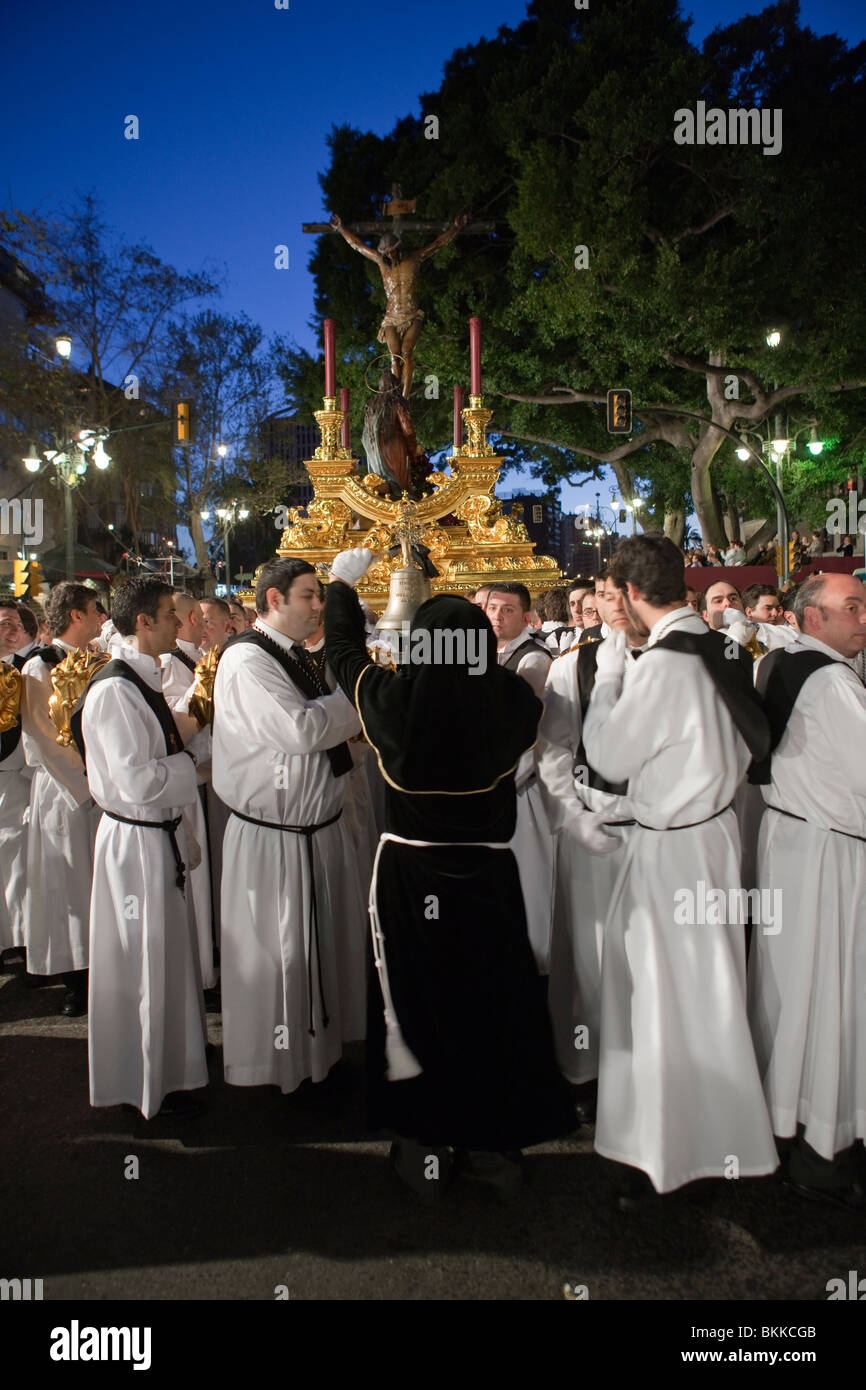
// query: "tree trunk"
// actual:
[[201, 557], [760, 538], [732, 523], [712, 531], [675, 526]]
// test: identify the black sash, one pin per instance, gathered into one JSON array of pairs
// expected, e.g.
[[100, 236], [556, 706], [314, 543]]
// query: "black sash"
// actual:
[[184, 658], [586, 669], [173, 744], [307, 682], [512, 661], [729, 666], [781, 676]]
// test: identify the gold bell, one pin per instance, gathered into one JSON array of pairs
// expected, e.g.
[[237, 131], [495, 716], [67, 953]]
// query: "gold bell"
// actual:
[[407, 591]]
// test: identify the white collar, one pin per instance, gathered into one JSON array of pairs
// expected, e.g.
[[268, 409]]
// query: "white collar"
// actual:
[[816, 645], [671, 620], [279, 637], [190, 648], [515, 642], [147, 667]]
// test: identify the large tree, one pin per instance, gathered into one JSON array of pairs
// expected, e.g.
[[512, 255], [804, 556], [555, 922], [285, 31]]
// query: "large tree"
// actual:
[[563, 130]]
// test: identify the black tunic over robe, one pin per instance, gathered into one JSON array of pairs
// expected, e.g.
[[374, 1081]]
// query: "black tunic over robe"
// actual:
[[462, 976]]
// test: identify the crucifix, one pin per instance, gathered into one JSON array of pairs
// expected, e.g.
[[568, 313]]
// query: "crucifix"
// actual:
[[401, 326]]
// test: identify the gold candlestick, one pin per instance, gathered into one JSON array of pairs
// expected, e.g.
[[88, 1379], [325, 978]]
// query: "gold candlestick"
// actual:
[[330, 422]]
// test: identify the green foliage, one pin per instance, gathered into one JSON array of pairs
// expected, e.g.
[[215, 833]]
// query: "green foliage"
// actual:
[[562, 130]]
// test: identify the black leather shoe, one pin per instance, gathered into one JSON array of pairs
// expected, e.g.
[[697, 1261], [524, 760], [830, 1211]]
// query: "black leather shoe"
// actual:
[[180, 1105], [73, 1006], [851, 1198]]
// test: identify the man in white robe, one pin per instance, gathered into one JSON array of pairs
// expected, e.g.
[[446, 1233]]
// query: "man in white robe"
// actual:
[[519, 649], [146, 1027], [14, 796], [679, 1090], [592, 822], [63, 818], [178, 677], [293, 943], [807, 978]]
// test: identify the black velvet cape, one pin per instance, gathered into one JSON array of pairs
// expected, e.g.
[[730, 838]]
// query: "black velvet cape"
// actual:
[[461, 971]]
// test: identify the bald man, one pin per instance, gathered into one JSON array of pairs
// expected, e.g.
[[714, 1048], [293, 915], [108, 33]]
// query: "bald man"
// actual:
[[807, 978], [178, 666], [218, 624]]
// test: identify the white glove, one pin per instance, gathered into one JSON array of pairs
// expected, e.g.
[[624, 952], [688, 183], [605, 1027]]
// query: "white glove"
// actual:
[[610, 663], [352, 565], [588, 830], [741, 631]]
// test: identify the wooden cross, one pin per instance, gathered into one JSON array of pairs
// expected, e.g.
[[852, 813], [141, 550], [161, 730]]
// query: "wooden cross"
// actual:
[[395, 208]]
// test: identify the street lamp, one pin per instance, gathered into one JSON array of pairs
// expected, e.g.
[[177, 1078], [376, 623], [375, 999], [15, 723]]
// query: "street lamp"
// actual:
[[229, 515], [774, 338], [63, 344], [70, 463]]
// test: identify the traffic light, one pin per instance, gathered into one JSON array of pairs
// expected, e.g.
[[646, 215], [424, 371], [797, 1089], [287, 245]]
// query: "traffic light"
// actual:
[[28, 579], [619, 412], [182, 422]]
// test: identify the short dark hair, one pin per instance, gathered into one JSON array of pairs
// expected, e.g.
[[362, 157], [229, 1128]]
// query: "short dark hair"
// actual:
[[556, 606], [64, 598], [10, 603], [101, 608], [788, 598], [702, 601], [751, 595], [808, 595], [140, 594], [540, 604], [518, 591], [279, 574], [653, 564], [29, 620], [219, 603]]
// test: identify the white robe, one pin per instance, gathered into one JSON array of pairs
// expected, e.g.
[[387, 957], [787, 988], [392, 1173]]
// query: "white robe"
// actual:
[[807, 981], [14, 815], [269, 762], [533, 844], [679, 1090], [584, 882], [177, 680], [63, 822], [146, 1025]]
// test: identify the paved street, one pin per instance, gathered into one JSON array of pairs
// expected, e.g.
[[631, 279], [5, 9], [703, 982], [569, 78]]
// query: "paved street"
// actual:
[[265, 1190]]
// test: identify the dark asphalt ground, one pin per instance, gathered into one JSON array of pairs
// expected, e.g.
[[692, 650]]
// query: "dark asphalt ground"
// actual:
[[265, 1190]]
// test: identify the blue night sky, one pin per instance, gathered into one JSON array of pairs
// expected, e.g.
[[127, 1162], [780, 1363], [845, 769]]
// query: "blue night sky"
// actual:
[[235, 99]]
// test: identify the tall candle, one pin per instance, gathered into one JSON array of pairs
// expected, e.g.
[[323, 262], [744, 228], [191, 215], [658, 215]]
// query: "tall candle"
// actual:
[[330, 358], [344, 406], [458, 418], [475, 357]]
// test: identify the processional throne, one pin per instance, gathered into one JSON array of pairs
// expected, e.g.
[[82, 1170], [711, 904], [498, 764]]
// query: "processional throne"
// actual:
[[478, 545]]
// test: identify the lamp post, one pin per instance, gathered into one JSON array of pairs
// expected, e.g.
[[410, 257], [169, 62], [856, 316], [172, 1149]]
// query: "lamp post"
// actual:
[[70, 463], [776, 449], [229, 515]]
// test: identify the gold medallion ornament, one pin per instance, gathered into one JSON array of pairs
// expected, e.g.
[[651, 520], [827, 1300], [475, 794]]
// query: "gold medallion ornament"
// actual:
[[201, 699], [10, 697], [69, 680]]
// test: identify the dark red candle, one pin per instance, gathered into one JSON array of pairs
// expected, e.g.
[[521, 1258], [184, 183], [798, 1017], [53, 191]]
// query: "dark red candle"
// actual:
[[330, 358], [344, 406], [458, 418], [475, 357]]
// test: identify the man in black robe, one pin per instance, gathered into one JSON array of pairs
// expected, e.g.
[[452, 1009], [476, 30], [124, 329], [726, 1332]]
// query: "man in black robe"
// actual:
[[460, 1051]]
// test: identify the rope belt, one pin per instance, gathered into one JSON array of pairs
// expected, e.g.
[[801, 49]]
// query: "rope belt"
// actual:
[[847, 833], [170, 826], [308, 831], [619, 822], [401, 1062], [691, 825]]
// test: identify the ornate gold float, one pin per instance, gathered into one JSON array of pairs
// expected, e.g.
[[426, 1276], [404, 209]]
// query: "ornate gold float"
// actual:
[[347, 510]]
